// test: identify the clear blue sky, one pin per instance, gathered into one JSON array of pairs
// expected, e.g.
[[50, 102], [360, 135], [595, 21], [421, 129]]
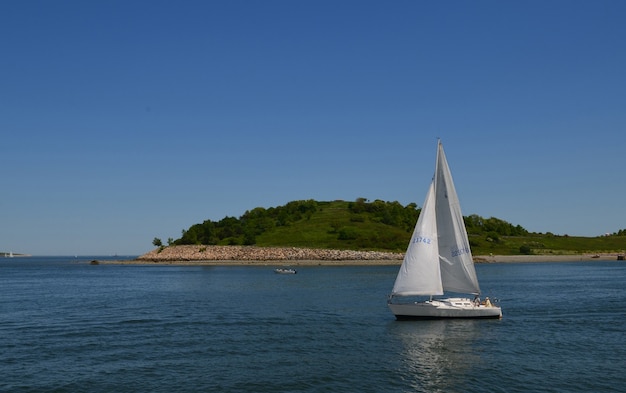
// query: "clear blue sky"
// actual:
[[122, 121]]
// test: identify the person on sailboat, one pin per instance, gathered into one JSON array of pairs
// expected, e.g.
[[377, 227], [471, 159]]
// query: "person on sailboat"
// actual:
[[477, 300], [488, 302]]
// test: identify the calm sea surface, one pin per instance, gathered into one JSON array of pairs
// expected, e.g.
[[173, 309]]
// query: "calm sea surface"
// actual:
[[67, 326]]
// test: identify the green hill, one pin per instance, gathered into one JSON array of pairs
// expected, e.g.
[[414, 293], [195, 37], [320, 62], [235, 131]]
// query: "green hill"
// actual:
[[377, 225]]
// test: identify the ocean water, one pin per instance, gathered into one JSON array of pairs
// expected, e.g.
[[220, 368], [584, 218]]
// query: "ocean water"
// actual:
[[67, 326]]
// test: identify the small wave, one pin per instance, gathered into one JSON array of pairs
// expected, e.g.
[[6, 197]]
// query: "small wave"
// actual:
[[140, 321]]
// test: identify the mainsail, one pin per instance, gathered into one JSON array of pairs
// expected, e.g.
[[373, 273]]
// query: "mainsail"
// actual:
[[438, 257], [457, 266]]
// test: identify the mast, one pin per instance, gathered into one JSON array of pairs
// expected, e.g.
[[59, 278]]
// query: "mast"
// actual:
[[420, 272]]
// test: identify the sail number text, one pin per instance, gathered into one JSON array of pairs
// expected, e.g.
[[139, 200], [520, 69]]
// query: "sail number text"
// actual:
[[460, 251], [420, 239]]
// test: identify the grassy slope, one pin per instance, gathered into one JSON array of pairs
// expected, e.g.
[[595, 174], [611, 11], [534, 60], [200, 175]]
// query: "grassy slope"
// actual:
[[550, 244], [323, 228]]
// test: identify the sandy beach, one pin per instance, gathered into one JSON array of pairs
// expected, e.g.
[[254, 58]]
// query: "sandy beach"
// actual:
[[291, 256]]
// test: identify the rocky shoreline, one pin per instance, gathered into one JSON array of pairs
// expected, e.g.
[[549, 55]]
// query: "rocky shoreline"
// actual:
[[252, 255], [230, 254]]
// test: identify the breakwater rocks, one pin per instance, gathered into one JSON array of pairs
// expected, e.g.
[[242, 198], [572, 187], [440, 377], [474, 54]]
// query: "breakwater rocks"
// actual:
[[253, 253]]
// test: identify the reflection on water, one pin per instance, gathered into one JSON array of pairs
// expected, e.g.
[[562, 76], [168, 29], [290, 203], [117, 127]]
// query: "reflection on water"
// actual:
[[437, 356]]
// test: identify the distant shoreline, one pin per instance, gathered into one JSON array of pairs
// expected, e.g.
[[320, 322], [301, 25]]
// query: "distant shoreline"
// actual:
[[544, 258], [292, 256]]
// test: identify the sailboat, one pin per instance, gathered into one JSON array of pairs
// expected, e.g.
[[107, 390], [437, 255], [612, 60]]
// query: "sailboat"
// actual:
[[438, 259]]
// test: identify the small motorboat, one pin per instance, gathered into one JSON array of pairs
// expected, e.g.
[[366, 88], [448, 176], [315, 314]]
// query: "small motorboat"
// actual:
[[285, 271]]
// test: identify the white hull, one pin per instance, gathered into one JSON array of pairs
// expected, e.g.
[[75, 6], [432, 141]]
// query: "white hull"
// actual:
[[444, 308]]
